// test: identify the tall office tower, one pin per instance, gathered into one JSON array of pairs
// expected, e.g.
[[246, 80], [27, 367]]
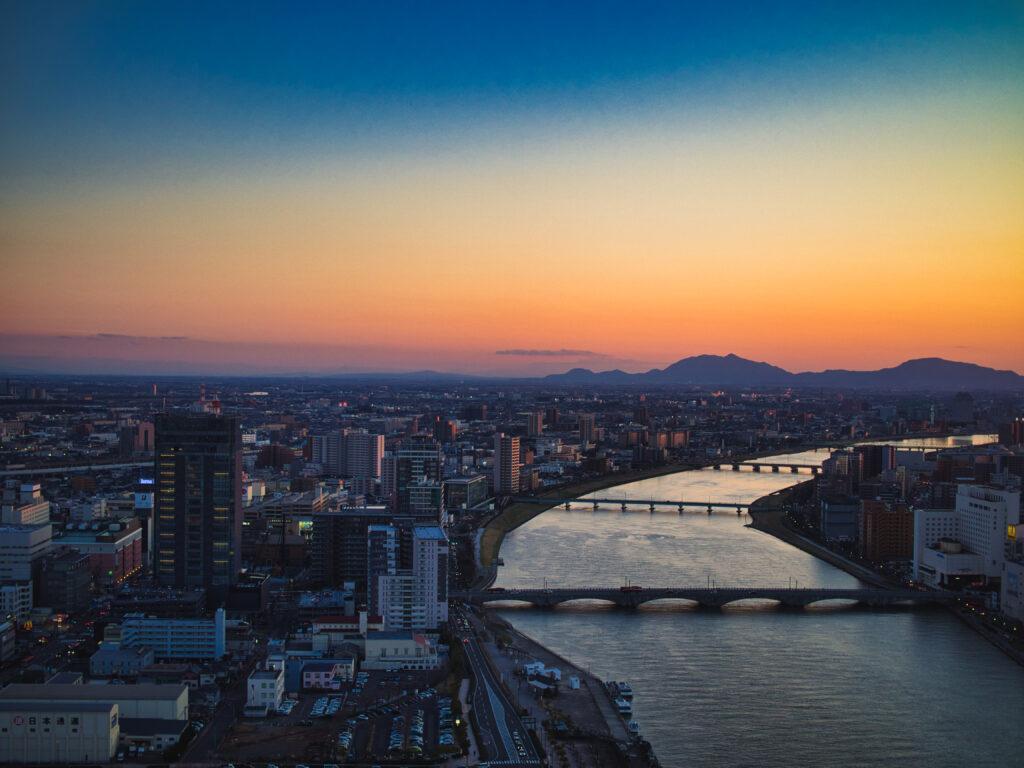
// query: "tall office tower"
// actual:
[[507, 465], [387, 477], [875, 459], [551, 416], [419, 480], [445, 430], [534, 423], [198, 525], [416, 597], [381, 562], [586, 423], [641, 415], [475, 412], [143, 504]]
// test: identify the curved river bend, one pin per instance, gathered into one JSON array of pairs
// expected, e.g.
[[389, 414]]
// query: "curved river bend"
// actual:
[[753, 686]]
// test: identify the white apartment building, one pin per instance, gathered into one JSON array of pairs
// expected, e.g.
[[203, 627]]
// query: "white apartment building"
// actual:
[[265, 688], [417, 598]]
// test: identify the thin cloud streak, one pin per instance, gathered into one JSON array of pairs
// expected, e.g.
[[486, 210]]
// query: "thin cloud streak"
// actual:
[[550, 353]]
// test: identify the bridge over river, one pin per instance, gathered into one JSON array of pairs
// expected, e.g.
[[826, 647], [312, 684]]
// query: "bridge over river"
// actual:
[[705, 597], [626, 504]]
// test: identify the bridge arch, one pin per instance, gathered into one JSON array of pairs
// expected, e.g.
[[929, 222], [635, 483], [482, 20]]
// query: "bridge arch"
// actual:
[[747, 601], [586, 602], [663, 603], [510, 602], [831, 603]]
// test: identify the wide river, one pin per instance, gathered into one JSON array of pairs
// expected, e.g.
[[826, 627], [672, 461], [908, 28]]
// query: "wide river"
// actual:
[[753, 686]]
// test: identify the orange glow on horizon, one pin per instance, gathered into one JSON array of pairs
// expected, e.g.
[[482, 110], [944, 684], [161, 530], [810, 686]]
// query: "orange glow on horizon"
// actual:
[[808, 242]]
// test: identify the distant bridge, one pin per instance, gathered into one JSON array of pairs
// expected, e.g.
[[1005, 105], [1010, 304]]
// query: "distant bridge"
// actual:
[[705, 597], [774, 466], [19, 470], [624, 504]]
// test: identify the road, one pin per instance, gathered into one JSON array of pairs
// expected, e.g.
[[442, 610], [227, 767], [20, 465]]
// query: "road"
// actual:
[[205, 745], [502, 733]]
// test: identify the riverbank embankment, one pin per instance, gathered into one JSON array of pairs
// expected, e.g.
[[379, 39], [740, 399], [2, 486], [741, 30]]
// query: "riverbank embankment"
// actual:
[[768, 515], [515, 515], [597, 734]]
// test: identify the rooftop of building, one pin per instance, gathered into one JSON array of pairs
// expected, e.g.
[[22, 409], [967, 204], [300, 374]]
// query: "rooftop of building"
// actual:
[[325, 597], [152, 726], [66, 692], [265, 674], [353, 620], [354, 511], [431, 532], [124, 651], [396, 635], [57, 706], [65, 678], [8, 528]]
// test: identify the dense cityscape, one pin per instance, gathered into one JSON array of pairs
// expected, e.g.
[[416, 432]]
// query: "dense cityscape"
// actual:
[[188, 564]]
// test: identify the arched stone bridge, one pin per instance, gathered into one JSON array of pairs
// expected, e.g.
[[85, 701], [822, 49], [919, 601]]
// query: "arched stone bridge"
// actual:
[[705, 597]]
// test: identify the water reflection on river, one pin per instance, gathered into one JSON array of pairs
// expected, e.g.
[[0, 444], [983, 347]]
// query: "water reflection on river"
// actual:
[[753, 686]]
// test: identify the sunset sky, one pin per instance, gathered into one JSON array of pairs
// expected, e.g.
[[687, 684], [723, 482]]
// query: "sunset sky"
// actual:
[[509, 187]]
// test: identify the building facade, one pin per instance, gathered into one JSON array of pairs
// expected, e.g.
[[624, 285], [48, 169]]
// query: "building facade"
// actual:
[[177, 638], [265, 688], [198, 519], [58, 732], [416, 597], [507, 464]]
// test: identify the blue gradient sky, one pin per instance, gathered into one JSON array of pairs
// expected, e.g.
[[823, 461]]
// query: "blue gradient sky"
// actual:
[[129, 86]]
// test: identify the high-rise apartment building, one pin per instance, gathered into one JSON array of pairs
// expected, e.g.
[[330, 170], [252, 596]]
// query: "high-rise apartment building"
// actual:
[[507, 464], [585, 422], [354, 454], [886, 531], [416, 597], [198, 516], [419, 480], [381, 563]]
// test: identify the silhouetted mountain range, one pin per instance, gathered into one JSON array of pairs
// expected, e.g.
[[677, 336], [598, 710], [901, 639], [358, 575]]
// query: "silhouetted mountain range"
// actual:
[[929, 373]]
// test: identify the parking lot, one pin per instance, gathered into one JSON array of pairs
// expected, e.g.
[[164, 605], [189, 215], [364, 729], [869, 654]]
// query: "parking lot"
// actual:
[[418, 726], [379, 717]]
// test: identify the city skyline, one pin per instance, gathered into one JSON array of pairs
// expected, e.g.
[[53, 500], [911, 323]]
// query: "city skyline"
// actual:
[[121, 355], [414, 188]]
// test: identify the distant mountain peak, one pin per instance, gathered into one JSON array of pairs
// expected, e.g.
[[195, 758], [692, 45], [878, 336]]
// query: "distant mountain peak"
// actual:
[[924, 373]]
